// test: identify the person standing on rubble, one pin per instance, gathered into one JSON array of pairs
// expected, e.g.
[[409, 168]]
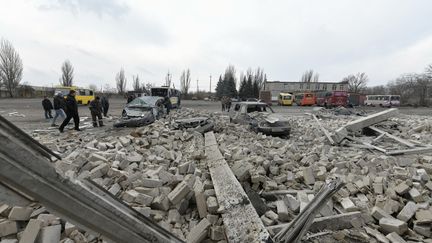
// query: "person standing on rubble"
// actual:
[[47, 106], [59, 106], [96, 112], [223, 99], [71, 111], [167, 103], [105, 105]]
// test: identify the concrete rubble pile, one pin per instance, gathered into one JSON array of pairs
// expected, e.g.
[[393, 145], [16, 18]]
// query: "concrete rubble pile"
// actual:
[[391, 193], [162, 173]]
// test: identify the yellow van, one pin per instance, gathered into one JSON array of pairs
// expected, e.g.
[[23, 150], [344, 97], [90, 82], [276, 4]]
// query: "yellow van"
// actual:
[[83, 96], [285, 99]]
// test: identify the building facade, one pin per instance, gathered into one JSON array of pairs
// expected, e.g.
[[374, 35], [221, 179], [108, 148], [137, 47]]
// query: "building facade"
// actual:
[[277, 87]]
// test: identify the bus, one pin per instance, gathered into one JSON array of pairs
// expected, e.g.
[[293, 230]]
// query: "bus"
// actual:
[[304, 99], [285, 99], [382, 100], [332, 98], [83, 96], [173, 94]]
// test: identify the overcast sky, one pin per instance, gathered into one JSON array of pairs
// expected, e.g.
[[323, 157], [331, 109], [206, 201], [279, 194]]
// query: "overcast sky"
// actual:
[[383, 38]]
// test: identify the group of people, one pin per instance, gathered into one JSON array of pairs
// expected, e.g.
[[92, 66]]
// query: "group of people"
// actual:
[[226, 103], [67, 108]]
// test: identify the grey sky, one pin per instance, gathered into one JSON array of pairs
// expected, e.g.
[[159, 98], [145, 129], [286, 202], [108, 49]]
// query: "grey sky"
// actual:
[[383, 38]]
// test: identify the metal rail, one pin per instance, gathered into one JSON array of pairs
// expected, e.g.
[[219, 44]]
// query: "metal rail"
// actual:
[[24, 166]]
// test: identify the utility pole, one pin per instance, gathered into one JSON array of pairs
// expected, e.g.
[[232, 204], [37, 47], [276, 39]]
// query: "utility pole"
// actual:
[[197, 87], [210, 90]]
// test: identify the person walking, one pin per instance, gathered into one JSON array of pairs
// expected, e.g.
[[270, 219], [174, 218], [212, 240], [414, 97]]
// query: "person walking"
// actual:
[[96, 112], [105, 105], [71, 111], [47, 106], [59, 106]]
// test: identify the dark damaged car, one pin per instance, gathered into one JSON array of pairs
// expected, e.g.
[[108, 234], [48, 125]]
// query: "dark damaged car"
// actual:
[[142, 111], [261, 118]]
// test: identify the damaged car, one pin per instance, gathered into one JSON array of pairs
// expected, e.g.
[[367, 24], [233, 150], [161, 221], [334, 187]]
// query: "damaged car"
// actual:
[[261, 118], [198, 124], [142, 111]]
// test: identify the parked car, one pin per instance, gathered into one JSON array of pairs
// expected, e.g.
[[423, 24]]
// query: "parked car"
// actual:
[[142, 111], [261, 118]]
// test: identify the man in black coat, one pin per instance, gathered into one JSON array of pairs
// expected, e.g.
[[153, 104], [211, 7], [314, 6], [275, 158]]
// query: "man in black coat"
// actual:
[[47, 106], [96, 111], [105, 105], [71, 111]]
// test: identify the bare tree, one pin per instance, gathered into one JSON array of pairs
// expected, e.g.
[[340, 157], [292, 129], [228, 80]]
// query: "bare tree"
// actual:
[[148, 87], [185, 80], [356, 83], [168, 78], [11, 67], [136, 83], [121, 81], [108, 89], [67, 74], [309, 76], [428, 71]]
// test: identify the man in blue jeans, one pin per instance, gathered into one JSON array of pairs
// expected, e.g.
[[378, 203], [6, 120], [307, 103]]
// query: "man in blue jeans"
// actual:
[[71, 111], [59, 106]]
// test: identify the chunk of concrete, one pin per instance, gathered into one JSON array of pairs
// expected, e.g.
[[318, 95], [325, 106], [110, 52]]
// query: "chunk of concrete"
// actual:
[[20, 213], [375, 233], [389, 225], [8, 227], [49, 234], [308, 176], [212, 205], [31, 232], [201, 203], [282, 211], [348, 205], [292, 203], [415, 195], [378, 213], [199, 232], [402, 188], [423, 229], [407, 212], [395, 238], [179, 192], [217, 233]]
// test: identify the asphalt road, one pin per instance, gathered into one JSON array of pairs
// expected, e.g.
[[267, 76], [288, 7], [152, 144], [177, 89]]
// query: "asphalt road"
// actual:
[[30, 116]]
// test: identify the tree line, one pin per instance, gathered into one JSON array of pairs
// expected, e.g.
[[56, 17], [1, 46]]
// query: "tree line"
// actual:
[[414, 88], [251, 83]]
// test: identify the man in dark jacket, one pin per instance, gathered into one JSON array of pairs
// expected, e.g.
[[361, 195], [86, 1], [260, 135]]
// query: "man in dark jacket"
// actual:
[[47, 106], [59, 107], [96, 111], [105, 105], [71, 111], [167, 103]]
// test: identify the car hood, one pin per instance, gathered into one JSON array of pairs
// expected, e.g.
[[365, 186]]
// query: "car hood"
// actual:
[[269, 117]]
